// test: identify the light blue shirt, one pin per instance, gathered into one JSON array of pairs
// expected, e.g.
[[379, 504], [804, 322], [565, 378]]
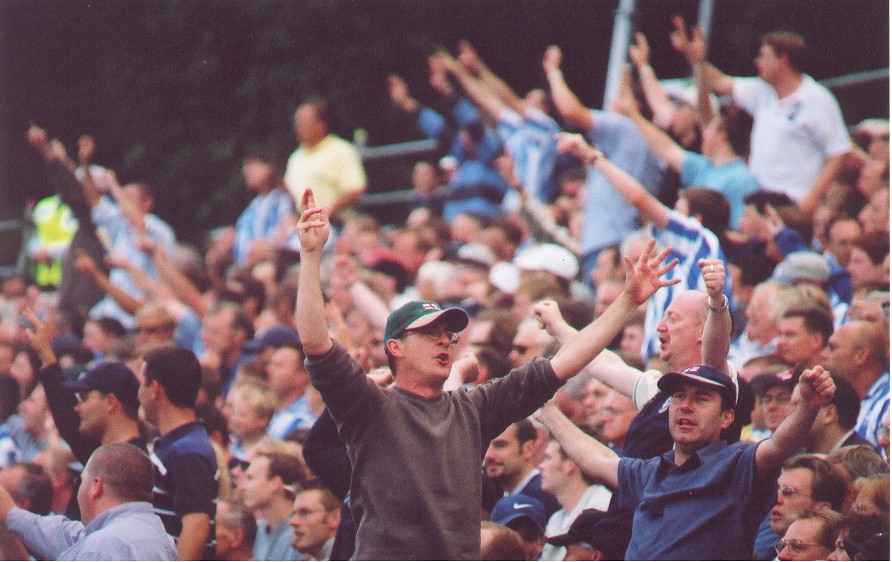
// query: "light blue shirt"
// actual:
[[296, 415], [608, 217], [130, 531], [732, 179], [260, 219]]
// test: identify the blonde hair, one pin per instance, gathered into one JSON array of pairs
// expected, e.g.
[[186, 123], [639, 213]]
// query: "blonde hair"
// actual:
[[257, 396]]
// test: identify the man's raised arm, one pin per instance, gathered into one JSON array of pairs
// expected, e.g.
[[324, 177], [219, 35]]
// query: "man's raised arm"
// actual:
[[566, 102], [717, 329], [309, 316], [693, 47], [607, 367], [594, 459], [642, 281], [628, 187], [814, 391]]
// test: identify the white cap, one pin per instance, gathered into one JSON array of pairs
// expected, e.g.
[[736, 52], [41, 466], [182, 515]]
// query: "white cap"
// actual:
[[551, 258], [505, 277]]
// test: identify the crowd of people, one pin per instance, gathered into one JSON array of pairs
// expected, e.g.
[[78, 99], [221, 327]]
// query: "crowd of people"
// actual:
[[654, 331]]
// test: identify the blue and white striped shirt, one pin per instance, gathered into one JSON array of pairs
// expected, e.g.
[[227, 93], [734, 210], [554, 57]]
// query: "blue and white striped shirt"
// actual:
[[260, 219], [874, 409], [530, 141], [690, 242]]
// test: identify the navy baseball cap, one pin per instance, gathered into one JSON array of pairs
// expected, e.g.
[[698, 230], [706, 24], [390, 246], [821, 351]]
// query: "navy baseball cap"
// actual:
[[702, 375], [109, 377], [277, 336], [417, 314], [517, 506]]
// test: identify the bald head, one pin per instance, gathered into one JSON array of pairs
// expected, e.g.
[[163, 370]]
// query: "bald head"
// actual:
[[125, 470]]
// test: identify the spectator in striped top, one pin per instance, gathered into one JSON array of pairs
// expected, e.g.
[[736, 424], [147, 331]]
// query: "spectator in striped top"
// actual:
[[692, 230], [260, 229], [185, 467], [857, 352]]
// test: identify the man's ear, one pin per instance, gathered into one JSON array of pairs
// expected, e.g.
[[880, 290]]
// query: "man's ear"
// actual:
[[727, 418], [528, 449], [395, 347], [97, 487]]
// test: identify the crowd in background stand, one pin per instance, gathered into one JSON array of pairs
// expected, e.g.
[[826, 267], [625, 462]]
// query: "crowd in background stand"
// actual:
[[777, 215]]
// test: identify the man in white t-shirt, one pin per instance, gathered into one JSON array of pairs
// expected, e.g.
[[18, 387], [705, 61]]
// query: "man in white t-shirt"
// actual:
[[799, 138]]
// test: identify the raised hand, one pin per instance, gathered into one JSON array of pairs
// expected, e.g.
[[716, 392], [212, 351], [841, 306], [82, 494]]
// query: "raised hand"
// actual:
[[549, 316], [625, 103], [313, 227], [576, 145], [643, 276], [774, 223], [552, 59], [469, 58], [816, 388], [679, 37], [37, 138], [713, 272], [39, 337], [639, 53], [86, 149], [399, 93]]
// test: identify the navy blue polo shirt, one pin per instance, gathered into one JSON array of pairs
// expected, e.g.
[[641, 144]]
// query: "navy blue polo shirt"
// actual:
[[186, 477], [706, 509]]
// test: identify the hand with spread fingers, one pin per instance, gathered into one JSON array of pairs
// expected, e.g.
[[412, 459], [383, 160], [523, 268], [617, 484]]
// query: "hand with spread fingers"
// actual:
[[643, 278]]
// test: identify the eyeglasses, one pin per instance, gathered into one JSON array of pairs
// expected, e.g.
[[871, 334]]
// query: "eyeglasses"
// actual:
[[787, 491], [80, 397], [795, 545], [435, 333]]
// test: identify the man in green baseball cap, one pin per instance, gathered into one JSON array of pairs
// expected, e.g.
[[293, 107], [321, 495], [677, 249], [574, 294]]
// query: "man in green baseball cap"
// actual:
[[416, 450]]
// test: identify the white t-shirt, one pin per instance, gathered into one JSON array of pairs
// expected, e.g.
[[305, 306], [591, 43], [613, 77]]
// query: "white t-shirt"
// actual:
[[792, 137]]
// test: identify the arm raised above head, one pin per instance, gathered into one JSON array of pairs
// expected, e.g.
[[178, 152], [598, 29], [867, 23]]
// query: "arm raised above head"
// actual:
[[309, 316]]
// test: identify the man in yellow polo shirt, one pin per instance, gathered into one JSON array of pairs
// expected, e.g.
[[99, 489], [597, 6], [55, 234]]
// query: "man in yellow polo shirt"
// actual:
[[323, 161]]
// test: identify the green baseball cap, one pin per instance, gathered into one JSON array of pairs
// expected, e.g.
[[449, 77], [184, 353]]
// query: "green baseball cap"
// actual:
[[416, 314]]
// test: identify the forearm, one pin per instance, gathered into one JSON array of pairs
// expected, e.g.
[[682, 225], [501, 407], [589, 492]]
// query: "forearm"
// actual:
[[47, 536], [634, 193], [659, 142], [61, 404], [787, 438], [610, 369], [181, 286], [592, 457], [480, 94], [309, 315], [195, 533], [717, 334], [819, 189], [714, 80], [369, 304], [125, 300], [500, 88], [582, 348], [346, 199], [704, 102], [567, 104], [662, 107]]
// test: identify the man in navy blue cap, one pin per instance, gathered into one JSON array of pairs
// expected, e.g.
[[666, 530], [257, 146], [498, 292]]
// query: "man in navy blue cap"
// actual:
[[525, 515], [704, 499], [416, 450], [99, 408]]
